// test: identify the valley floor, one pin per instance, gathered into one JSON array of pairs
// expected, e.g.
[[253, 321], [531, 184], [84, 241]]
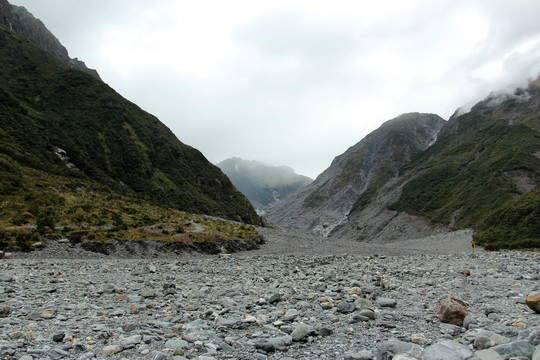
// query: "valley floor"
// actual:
[[296, 297], [278, 241], [285, 242]]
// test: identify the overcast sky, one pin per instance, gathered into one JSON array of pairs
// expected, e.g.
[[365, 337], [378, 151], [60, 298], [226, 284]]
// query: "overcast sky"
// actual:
[[296, 82]]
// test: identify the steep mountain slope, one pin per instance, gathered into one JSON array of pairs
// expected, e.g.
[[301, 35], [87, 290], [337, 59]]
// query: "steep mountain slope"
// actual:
[[61, 121], [483, 172], [354, 176], [260, 183], [21, 21]]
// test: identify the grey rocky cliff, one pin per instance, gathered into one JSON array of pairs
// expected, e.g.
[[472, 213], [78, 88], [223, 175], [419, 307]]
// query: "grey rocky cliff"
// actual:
[[22, 22], [322, 208]]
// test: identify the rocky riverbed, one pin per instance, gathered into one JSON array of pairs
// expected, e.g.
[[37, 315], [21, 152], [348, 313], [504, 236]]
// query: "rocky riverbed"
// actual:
[[307, 304]]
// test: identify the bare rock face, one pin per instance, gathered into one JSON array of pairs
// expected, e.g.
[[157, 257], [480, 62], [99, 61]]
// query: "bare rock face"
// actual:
[[452, 311], [323, 207], [533, 301]]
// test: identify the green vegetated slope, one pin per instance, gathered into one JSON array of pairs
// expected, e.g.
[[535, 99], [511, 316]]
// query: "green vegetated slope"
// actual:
[[483, 172], [47, 108], [36, 206]]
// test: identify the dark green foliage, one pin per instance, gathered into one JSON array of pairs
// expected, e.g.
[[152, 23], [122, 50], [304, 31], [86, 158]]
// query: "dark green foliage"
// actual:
[[77, 236], [10, 175], [516, 224], [4, 240], [44, 104], [41, 204], [24, 241]]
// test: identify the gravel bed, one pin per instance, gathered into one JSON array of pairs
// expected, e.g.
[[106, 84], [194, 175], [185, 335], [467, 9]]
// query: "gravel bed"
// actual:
[[294, 298]]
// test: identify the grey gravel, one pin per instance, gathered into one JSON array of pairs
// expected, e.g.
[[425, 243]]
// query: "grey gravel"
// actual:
[[364, 303]]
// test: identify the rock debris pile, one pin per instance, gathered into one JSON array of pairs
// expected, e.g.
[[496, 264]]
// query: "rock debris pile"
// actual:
[[280, 307]]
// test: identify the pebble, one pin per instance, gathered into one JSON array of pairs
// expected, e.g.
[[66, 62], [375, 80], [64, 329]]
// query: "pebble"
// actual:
[[300, 332], [354, 307], [112, 349]]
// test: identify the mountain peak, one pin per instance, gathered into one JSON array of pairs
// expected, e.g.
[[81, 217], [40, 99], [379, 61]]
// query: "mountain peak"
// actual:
[[22, 22], [262, 184], [325, 203]]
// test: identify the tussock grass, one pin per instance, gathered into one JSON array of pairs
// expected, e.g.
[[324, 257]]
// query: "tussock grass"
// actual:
[[51, 206]]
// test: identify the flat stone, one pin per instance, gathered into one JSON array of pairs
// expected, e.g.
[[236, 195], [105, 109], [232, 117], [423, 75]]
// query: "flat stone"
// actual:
[[370, 314], [57, 353], [419, 339], [345, 307], [274, 298], [388, 349], [265, 345], [361, 355], [290, 315], [486, 339], [175, 344], [447, 350], [488, 354], [362, 303], [48, 314], [130, 341], [386, 302], [515, 349]]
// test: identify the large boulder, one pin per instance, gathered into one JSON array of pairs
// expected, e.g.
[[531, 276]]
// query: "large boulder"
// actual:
[[533, 301], [452, 311]]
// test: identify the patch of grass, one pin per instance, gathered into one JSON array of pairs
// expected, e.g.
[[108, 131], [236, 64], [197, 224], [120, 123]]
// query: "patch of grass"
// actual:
[[85, 211]]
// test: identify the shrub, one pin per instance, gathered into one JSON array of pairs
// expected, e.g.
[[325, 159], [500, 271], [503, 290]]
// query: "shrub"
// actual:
[[45, 219], [5, 239], [491, 247], [24, 241]]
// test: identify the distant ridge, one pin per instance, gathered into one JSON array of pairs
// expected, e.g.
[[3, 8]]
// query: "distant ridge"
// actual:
[[260, 183]]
